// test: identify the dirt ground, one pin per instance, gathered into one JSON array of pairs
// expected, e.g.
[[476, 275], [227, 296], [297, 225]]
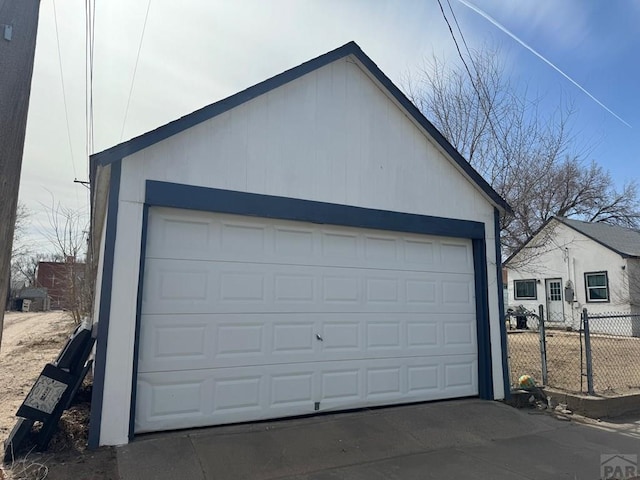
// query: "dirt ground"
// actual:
[[615, 359], [29, 341]]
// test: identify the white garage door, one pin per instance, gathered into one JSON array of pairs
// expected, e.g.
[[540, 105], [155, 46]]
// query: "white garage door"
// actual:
[[247, 318]]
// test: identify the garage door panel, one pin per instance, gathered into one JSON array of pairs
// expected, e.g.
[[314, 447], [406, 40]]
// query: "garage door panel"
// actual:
[[173, 286], [250, 318], [254, 393], [172, 401], [201, 236], [172, 343]]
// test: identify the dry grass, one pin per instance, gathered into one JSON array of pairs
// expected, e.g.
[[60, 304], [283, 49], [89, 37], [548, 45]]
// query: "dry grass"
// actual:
[[31, 340], [616, 361]]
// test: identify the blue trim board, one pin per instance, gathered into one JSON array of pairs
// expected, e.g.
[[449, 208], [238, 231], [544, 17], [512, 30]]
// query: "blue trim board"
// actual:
[[104, 311], [483, 327], [136, 344], [503, 327], [240, 203], [136, 144]]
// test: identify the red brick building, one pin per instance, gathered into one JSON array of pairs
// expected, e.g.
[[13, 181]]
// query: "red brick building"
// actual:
[[62, 281]]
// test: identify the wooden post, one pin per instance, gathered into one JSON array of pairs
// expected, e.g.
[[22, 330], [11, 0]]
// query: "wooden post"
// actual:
[[18, 28]]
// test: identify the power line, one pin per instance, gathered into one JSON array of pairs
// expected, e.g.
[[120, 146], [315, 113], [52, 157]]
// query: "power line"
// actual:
[[93, 42], [89, 49], [464, 62], [487, 110], [64, 93], [455, 19], [88, 78], [135, 69]]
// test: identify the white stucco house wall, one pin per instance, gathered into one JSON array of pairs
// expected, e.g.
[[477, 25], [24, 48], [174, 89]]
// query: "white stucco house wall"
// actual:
[[570, 265], [309, 244]]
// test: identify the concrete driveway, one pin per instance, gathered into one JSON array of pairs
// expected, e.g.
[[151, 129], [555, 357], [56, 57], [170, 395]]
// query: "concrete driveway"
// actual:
[[453, 439]]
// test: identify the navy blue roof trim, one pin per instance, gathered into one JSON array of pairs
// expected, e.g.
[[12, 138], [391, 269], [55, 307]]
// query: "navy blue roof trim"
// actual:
[[252, 204], [145, 140]]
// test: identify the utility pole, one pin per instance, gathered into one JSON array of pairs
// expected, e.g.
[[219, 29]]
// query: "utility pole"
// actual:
[[18, 28]]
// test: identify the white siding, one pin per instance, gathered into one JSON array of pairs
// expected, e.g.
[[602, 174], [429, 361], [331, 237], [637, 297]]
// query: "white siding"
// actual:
[[633, 277], [332, 136]]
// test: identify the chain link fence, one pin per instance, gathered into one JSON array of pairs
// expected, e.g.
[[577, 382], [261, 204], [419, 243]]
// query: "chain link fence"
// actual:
[[523, 344], [600, 356], [614, 344]]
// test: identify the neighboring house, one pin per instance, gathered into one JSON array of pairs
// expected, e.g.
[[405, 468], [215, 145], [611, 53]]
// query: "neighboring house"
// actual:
[[62, 281], [36, 295], [310, 244], [570, 265]]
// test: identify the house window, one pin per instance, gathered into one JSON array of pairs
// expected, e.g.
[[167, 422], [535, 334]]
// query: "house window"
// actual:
[[524, 289], [555, 291], [597, 285]]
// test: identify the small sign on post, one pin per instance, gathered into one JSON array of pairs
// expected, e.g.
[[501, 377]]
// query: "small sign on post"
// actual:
[[49, 390]]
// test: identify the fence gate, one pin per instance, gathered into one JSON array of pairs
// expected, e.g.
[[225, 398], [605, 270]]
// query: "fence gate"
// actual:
[[526, 345]]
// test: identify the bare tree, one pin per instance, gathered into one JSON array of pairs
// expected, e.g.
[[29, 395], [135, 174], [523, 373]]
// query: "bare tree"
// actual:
[[530, 158], [24, 269], [19, 245], [67, 234], [20, 249]]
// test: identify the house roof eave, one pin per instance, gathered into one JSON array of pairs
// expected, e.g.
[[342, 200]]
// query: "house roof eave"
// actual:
[[560, 220]]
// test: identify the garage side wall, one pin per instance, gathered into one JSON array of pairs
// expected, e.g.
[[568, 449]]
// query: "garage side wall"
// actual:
[[331, 136]]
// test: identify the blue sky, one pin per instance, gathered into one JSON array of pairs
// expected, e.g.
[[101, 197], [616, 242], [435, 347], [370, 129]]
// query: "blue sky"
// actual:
[[195, 52]]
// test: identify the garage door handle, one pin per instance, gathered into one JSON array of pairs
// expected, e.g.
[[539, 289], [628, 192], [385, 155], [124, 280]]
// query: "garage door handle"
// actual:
[[319, 337]]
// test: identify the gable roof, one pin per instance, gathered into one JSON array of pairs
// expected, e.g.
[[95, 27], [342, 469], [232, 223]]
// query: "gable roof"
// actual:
[[624, 241], [145, 140]]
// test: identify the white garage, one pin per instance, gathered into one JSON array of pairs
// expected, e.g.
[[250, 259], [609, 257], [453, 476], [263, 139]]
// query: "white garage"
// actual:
[[310, 244]]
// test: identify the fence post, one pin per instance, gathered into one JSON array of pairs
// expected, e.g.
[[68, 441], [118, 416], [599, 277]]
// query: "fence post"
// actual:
[[587, 351], [543, 345]]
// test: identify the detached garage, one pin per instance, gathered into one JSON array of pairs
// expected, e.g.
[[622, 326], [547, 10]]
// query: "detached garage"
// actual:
[[310, 244]]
